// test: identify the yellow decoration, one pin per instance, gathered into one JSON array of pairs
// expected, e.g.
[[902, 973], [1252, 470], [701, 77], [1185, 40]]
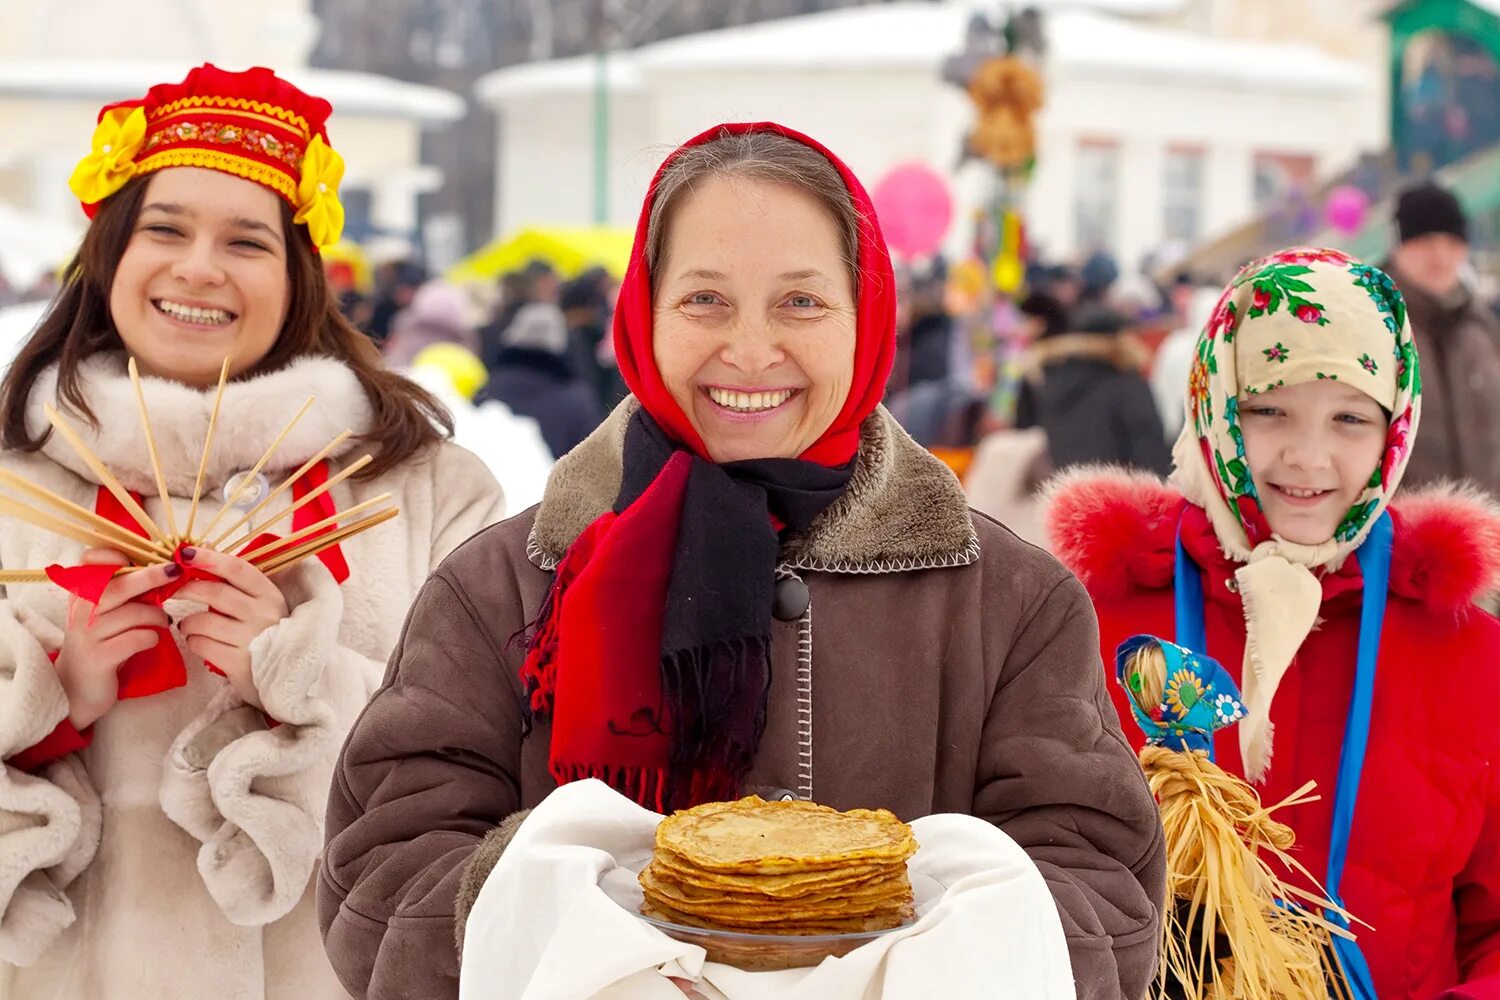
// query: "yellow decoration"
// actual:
[[117, 139], [1009, 274], [459, 365], [569, 250], [1006, 93], [318, 205]]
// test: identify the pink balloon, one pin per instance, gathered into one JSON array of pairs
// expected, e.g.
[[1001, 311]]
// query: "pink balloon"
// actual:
[[1345, 208], [915, 209]]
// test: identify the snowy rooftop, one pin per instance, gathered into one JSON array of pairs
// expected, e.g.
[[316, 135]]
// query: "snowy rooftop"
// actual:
[[359, 95], [558, 76], [919, 36]]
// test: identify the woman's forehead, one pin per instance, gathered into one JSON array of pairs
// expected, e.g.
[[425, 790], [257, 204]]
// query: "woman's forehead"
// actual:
[[205, 194]]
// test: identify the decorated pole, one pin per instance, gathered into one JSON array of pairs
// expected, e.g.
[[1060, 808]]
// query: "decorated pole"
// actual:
[[1000, 70]]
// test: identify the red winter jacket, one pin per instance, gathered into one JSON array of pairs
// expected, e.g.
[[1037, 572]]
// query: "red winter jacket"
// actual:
[[1424, 856]]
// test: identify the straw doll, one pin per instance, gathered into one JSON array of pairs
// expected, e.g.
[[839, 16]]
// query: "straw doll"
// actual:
[[1234, 927]]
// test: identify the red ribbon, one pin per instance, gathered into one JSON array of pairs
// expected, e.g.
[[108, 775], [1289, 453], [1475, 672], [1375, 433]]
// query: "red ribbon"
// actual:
[[161, 667]]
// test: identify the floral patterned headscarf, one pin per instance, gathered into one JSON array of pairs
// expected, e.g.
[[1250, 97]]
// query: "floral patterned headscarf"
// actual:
[[1293, 317]]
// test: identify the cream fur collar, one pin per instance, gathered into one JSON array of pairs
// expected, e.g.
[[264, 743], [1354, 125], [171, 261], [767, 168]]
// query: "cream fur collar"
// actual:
[[253, 412]]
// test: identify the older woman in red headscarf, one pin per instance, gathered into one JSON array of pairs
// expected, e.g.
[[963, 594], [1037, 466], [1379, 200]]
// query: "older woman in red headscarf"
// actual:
[[651, 623]]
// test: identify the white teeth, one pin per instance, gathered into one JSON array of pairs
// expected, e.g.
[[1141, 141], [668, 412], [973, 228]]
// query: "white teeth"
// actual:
[[749, 402], [192, 314], [1301, 494]]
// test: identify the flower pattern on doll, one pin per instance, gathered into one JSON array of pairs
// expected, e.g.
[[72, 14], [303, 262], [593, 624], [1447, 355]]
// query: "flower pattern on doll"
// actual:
[[1228, 709], [1184, 690]]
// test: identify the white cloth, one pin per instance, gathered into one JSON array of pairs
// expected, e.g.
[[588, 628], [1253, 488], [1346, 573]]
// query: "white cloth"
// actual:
[[543, 929]]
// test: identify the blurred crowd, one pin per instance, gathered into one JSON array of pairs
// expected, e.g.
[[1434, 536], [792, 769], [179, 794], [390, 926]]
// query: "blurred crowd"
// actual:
[[1087, 364]]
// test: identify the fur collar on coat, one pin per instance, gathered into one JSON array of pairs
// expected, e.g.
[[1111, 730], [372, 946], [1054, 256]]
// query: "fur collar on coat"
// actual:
[[903, 509], [252, 414]]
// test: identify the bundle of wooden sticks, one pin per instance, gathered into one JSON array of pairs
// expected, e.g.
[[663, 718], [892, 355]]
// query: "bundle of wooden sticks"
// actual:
[[69, 520]]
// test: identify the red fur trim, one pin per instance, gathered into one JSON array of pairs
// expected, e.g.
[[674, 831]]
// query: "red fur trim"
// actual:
[[1113, 528], [1447, 546]]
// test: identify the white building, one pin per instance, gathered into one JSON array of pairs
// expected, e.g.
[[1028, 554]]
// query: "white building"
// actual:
[[1156, 130], [60, 62]]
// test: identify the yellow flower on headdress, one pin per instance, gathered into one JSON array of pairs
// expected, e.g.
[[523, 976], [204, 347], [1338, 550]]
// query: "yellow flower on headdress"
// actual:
[[318, 204], [117, 139]]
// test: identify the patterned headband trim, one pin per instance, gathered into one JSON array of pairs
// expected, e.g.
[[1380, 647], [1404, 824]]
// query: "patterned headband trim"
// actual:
[[257, 107]]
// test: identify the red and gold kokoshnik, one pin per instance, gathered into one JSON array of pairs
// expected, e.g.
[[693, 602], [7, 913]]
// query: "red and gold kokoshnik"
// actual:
[[252, 124]]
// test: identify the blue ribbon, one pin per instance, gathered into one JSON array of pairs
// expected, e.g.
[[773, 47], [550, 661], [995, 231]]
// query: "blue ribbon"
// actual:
[[1374, 556]]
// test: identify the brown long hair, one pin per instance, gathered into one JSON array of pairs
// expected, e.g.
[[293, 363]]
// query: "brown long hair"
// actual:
[[407, 419]]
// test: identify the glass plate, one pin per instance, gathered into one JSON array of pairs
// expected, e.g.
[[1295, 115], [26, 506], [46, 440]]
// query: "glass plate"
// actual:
[[757, 952]]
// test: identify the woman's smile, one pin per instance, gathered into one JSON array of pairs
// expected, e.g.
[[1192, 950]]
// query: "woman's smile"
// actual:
[[748, 405]]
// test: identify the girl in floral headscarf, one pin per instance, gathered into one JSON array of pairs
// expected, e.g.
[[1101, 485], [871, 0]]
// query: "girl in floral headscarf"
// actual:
[[1347, 621]]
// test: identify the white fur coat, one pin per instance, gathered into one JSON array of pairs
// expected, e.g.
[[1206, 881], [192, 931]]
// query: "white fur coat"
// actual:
[[172, 857]]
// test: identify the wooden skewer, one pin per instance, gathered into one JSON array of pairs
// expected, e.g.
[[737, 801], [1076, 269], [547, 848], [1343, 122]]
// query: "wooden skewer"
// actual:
[[208, 446], [312, 529], [312, 495], [255, 469], [105, 476], [24, 576], [40, 575], [329, 540], [82, 514], [218, 543], [161, 480], [67, 529]]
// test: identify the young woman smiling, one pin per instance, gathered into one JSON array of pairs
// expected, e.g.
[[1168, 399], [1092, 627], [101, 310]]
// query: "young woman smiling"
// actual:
[[670, 577], [1347, 618], [159, 824]]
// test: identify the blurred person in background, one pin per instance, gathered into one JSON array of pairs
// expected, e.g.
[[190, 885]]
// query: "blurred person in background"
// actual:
[[924, 338], [1084, 385], [1173, 359], [352, 305], [517, 290], [533, 376], [546, 283], [1097, 278], [1459, 340], [438, 314], [396, 282], [587, 303]]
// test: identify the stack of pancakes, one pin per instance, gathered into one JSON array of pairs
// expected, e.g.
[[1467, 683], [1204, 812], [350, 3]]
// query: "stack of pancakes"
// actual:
[[793, 868]]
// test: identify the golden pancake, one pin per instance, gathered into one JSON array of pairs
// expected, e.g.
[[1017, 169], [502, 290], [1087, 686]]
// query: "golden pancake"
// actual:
[[753, 836], [795, 883], [656, 881], [790, 869]]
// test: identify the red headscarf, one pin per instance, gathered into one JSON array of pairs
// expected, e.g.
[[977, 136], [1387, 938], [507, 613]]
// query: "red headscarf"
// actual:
[[875, 319], [658, 693]]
